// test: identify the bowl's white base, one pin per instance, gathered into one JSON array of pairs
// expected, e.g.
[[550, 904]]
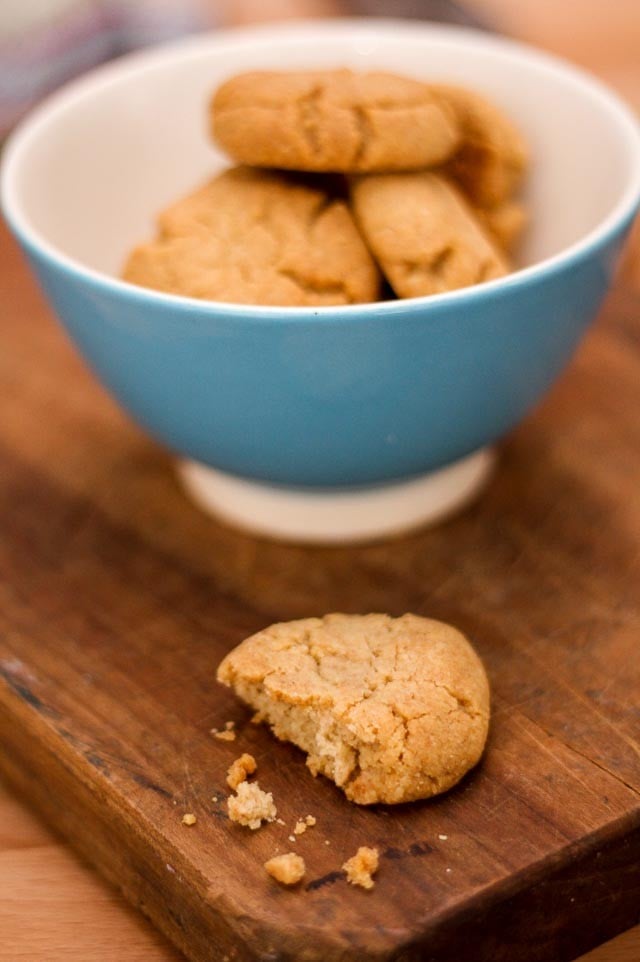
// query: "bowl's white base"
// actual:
[[336, 516]]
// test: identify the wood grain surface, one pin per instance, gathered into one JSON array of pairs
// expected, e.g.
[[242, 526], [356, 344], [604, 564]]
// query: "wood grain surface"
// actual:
[[87, 500]]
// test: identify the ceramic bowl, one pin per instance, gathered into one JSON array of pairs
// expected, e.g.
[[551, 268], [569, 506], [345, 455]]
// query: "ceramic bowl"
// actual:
[[339, 422]]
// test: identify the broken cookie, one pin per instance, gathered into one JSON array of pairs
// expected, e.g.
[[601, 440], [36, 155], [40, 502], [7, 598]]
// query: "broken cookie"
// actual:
[[391, 709]]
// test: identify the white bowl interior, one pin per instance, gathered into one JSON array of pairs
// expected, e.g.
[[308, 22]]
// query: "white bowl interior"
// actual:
[[91, 169]]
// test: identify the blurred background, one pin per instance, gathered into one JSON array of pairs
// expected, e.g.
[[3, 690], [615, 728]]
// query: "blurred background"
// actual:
[[46, 42]]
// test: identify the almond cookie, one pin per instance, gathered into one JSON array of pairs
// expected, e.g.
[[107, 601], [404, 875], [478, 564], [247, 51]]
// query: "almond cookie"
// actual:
[[391, 709], [423, 234], [333, 120], [258, 237], [493, 156]]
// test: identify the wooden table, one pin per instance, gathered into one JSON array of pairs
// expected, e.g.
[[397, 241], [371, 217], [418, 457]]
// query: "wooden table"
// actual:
[[52, 906]]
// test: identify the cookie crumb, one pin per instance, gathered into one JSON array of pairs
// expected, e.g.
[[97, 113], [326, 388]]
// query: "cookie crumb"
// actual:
[[303, 824], [447, 870], [443, 838], [292, 838], [287, 869], [240, 769], [189, 819], [251, 806], [327, 842], [280, 821], [227, 735], [361, 866], [214, 798]]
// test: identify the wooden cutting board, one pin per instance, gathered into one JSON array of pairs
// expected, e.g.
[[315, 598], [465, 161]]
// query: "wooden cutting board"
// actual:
[[118, 599]]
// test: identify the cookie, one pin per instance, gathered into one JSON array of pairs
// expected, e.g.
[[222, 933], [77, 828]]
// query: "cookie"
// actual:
[[391, 709], [504, 223], [258, 237], [492, 157], [423, 233], [333, 120]]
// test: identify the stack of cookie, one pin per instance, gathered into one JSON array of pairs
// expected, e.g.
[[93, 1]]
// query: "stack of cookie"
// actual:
[[347, 180]]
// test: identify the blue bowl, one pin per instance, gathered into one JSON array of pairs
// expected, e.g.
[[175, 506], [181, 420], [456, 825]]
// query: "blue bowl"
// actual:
[[335, 396], [327, 397]]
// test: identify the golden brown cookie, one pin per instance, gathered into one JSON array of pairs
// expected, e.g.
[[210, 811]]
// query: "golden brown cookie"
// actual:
[[258, 237], [332, 120], [423, 233], [492, 157], [391, 709], [504, 223]]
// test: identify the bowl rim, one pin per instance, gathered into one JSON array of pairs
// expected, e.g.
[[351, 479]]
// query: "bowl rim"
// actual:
[[85, 85]]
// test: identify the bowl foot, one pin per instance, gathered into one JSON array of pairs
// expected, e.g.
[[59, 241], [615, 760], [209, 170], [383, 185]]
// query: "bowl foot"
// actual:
[[336, 516]]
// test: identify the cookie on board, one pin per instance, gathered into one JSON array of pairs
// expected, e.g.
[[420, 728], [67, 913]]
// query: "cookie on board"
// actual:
[[391, 709]]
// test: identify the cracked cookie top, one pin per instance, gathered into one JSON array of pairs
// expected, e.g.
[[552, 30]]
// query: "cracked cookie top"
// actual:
[[333, 120], [423, 233], [258, 237], [392, 709]]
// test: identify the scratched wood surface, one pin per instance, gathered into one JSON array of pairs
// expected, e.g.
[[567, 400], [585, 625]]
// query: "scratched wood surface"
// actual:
[[51, 905]]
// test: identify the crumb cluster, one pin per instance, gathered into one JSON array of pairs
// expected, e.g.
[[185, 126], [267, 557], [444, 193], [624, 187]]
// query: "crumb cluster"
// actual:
[[287, 869], [303, 824], [251, 806], [226, 734], [361, 866], [240, 769]]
